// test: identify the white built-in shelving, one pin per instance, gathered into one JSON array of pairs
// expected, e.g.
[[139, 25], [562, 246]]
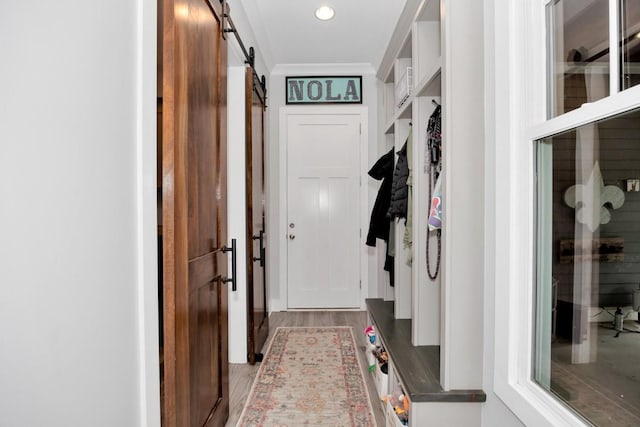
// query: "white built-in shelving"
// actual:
[[430, 314], [418, 47]]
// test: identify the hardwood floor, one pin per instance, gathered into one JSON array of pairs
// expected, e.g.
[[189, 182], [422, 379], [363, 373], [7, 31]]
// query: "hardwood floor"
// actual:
[[241, 376]]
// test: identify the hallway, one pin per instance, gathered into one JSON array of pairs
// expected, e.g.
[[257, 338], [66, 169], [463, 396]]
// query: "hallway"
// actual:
[[539, 119], [241, 375]]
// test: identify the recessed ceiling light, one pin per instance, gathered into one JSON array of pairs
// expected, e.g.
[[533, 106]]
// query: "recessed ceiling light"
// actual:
[[325, 13]]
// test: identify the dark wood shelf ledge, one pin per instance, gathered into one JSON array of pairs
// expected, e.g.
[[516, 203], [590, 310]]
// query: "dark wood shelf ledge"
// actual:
[[417, 367]]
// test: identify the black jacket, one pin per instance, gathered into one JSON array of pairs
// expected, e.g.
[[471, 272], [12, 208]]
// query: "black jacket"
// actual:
[[380, 223], [399, 189]]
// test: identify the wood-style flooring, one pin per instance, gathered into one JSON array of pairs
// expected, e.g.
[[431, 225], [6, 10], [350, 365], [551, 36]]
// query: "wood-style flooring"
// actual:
[[241, 376]]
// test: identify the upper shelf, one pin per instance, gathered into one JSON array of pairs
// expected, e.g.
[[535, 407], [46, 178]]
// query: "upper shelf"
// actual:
[[428, 86], [414, 10]]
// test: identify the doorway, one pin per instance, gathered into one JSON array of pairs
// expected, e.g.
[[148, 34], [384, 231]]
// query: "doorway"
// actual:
[[324, 202]]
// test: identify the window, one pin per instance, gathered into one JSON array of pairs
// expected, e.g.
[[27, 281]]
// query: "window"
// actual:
[[586, 350], [630, 42], [578, 53], [588, 337]]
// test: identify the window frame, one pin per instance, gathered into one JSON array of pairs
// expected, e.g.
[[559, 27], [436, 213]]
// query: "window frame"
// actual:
[[520, 43]]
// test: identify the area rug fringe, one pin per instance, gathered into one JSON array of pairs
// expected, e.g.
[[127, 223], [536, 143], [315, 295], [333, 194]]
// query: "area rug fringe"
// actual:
[[314, 378]]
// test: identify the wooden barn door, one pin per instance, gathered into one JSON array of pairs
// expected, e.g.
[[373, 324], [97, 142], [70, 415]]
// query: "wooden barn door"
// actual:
[[194, 211], [257, 313]]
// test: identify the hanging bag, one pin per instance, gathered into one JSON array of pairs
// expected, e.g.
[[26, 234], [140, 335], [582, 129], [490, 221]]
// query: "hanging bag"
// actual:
[[435, 210]]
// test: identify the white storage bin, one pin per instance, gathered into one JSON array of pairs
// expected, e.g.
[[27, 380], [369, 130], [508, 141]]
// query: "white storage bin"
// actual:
[[381, 381], [392, 419], [404, 86]]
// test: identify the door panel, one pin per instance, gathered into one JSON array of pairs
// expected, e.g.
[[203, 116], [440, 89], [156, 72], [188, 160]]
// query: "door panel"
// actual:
[[257, 312], [323, 210], [195, 372]]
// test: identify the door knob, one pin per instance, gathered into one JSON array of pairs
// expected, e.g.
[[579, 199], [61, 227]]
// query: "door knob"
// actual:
[[292, 236]]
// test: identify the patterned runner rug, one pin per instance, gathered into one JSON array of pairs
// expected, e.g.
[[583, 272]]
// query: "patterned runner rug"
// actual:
[[309, 377]]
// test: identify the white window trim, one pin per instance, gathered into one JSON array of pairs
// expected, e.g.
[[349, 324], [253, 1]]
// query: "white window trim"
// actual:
[[520, 118], [598, 110]]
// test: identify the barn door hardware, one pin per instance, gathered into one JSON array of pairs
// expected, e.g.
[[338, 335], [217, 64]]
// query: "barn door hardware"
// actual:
[[233, 251], [260, 237], [250, 57]]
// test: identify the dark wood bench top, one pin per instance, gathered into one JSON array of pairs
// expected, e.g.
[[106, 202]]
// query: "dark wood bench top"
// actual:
[[417, 367]]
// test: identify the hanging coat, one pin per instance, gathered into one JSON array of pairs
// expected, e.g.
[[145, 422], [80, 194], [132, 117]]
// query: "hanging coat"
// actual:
[[379, 224], [408, 229], [399, 189]]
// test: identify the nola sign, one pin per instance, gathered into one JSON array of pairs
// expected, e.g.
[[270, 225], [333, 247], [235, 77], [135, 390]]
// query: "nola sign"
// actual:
[[324, 90]]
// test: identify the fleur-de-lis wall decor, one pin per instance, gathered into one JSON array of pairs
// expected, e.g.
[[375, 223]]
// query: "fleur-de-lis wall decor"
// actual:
[[593, 201]]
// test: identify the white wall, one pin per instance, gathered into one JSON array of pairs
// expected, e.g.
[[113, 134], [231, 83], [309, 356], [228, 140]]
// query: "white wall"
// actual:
[[495, 412], [276, 200], [236, 179], [237, 205], [78, 278]]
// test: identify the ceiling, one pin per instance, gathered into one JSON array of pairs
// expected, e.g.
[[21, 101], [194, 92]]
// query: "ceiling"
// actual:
[[289, 33]]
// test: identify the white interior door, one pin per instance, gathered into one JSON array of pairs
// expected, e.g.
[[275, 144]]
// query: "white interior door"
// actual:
[[323, 227]]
